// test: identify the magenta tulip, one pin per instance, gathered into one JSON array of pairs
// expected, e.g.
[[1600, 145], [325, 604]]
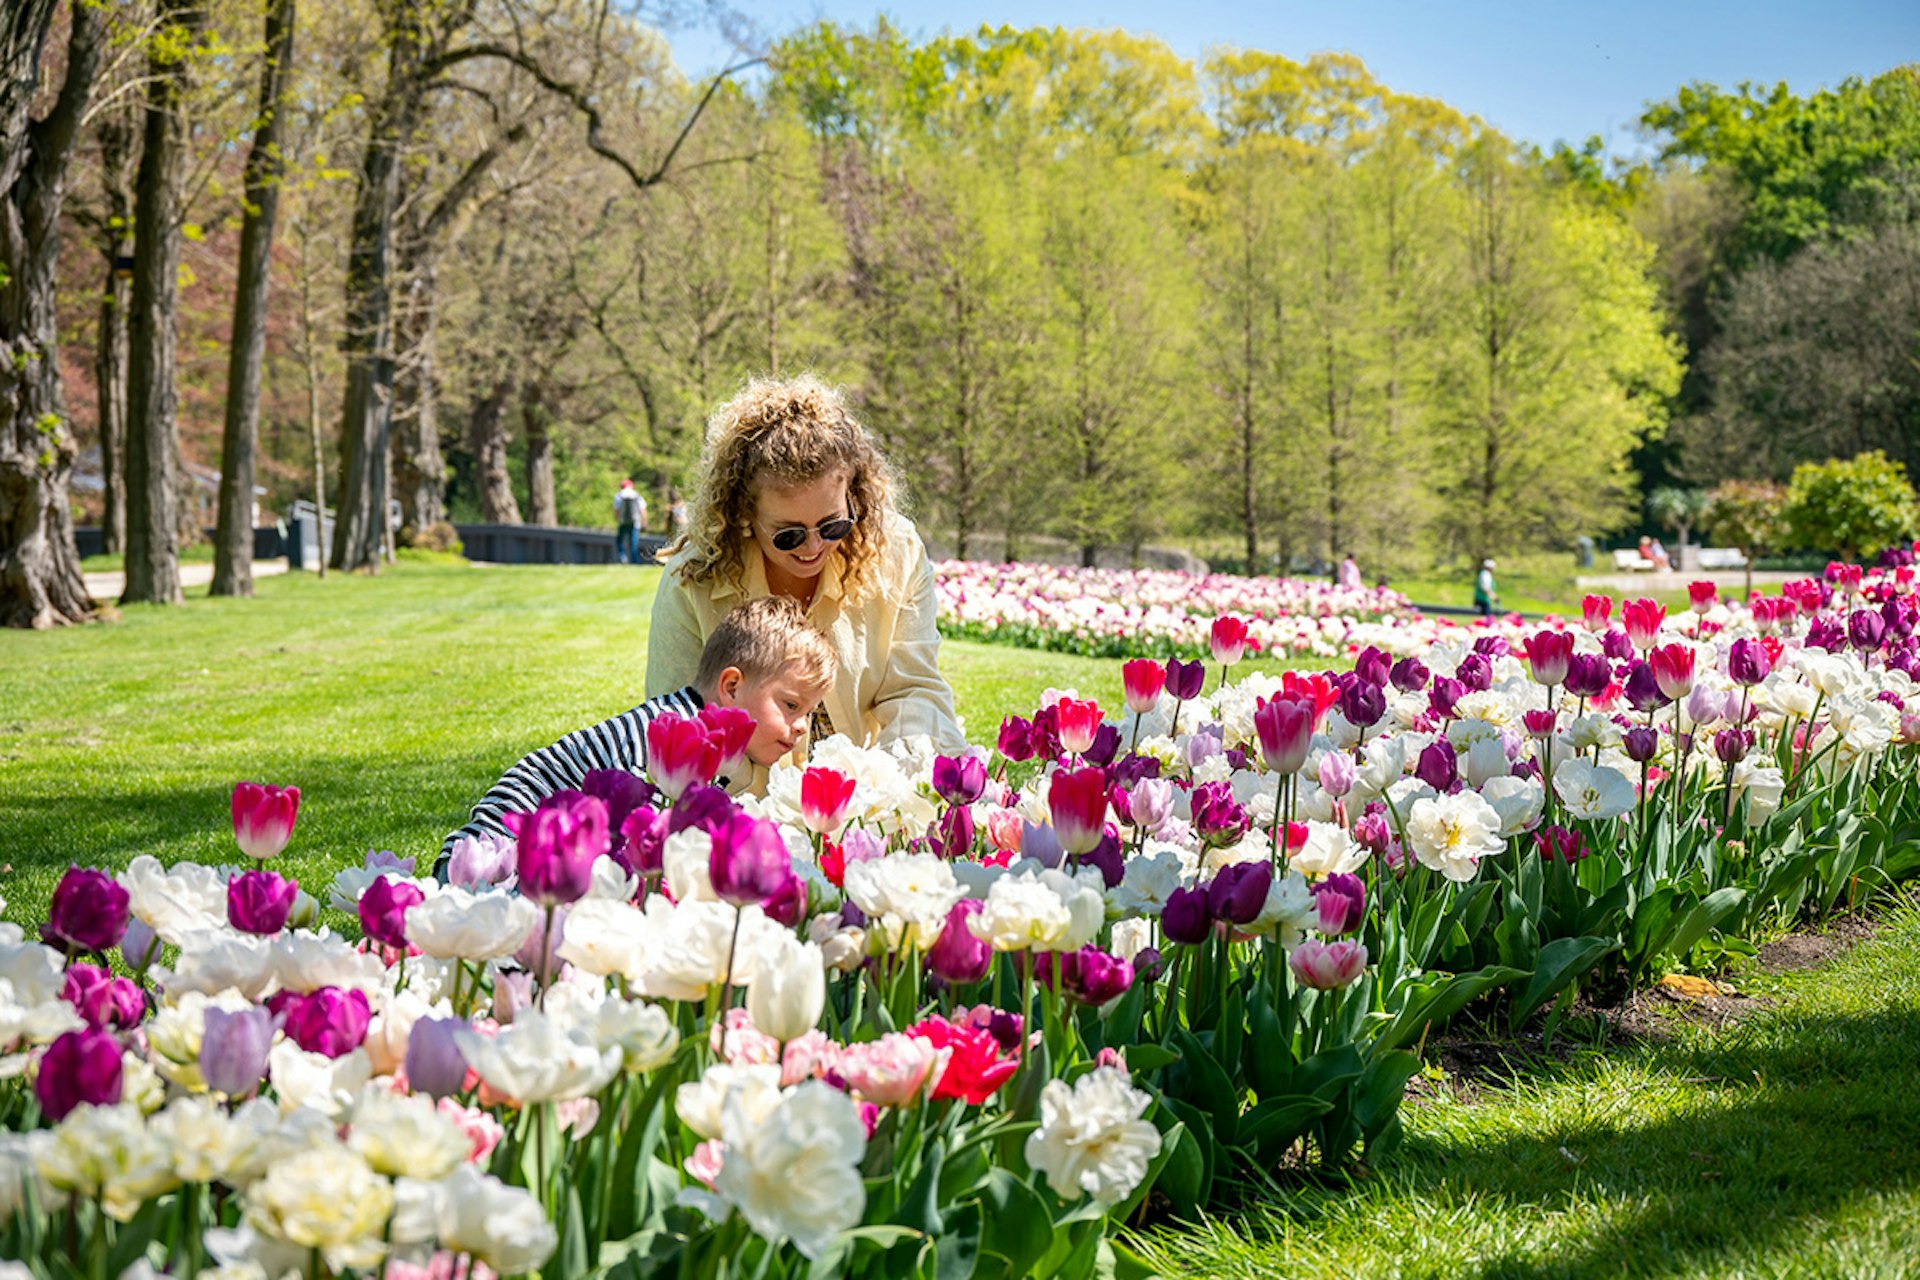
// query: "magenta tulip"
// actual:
[[1285, 729], [89, 911], [749, 862], [1077, 799], [81, 1068], [1548, 653], [730, 729], [330, 1021], [105, 1002], [1643, 619], [233, 1049], [1088, 976], [557, 845], [263, 817], [1218, 818], [960, 779], [383, 910], [1595, 611], [644, 836], [260, 902], [1144, 679], [957, 955]]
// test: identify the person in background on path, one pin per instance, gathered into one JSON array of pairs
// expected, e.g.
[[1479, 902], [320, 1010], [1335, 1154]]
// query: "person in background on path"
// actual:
[[1350, 574], [676, 515], [1486, 597], [629, 518]]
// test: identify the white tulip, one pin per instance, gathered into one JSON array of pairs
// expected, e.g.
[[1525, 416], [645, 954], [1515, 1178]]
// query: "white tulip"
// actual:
[[790, 990]]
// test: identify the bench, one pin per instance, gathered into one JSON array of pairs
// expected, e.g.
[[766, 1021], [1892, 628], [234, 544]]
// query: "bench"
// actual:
[[1722, 558], [1629, 559]]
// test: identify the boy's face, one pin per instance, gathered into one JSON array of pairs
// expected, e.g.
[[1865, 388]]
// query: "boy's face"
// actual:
[[779, 706]]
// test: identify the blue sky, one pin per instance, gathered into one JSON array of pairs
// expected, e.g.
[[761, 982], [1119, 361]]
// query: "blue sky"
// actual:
[[1541, 70]]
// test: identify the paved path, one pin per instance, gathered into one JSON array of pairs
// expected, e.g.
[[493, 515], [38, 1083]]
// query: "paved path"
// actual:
[[1678, 580], [108, 585]]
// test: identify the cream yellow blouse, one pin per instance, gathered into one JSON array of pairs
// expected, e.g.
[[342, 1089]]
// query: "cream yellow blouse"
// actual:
[[888, 684]]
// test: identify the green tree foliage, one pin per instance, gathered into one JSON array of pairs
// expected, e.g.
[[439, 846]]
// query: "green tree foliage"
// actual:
[[1854, 507]]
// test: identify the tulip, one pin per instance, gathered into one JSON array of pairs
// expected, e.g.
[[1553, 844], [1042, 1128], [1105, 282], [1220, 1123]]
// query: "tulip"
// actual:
[[1475, 672], [787, 904], [1016, 739], [1374, 666], [1640, 743], [1557, 842], [1643, 689], [1643, 619], [1077, 800], [957, 832], [1409, 675], [1588, 675], [1185, 679], [1731, 745], [643, 836], [1039, 841], [1706, 704], [330, 1022], [1218, 818], [139, 946], [1077, 720], [1673, 669], [81, 1068], [700, 807], [1492, 646], [1866, 629], [1228, 640], [1148, 965], [1285, 729], [1150, 803], [825, 797], [680, 753], [960, 779], [435, 1064], [89, 911], [233, 1049], [1617, 645], [1104, 747], [557, 844], [1371, 831], [1185, 917], [729, 729], [259, 902], [1548, 656], [957, 955], [789, 992], [1239, 891], [481, 861], [1539, 724], [1341, 901], [1826, 633], [1337, 773], [1144, 679], [1107, 857], [1004, 830], [1088, 976], [383, 910], [1328, 966], [1702, 596], [263, 817], [1362, 703], [1438, 766], [1595, 611], [102, 1000], [620, 791], [748, 863], [1446, 691]]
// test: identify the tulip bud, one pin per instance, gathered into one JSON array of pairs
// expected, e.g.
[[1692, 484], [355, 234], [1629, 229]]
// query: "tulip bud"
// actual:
[[435, 1064], [1731, 745], [1143, 679], [1374, 666], [1150, 803], [1285, 728], [1475, 673], [263, 818], [140, 945], [1748, 663], [1643, 620], [1594, 611], [383, 910], [80, 1068], [1673, 669], [1438, 766], [730, 730], [680, 753], [259, 902], [1239, 891], [233, 1049], [1548, 655], [1218, 819], [1702, 596], [89, 911], [825, 797], [1588, 675], [1409, 675], [1185, 679], [1078, 719], [1341, 901], [957, 955], [1337, 773]]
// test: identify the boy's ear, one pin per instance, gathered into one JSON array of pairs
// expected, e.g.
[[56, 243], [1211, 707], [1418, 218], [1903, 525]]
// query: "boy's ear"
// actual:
[[728, 686]]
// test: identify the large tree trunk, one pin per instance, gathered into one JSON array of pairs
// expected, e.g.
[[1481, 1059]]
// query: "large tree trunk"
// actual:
[[40, 583], [233, 536], [538, 422], [488, 440], [153, 447], [419, 466], [359, 531], [117, 160]]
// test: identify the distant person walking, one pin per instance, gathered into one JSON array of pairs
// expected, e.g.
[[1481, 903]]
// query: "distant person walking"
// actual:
[[629, 518], [676, 515], [1486, 596], [1350, 579]]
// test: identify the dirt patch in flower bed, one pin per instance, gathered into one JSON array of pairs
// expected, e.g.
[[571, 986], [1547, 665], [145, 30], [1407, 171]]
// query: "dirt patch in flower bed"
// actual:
[[1798, 951]]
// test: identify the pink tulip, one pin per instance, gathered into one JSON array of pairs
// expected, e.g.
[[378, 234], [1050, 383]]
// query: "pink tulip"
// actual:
[[383, 910], [1285, 729], [730, 729], [1079, 721], [1595, 611], [1077, 799], [894, 1071], [263, 817], [825, 796], [680, 753], [1643, 619], [1328, 966], [1673, 669], [331, 1021], [556, 846], [1144, 679], [1228, 640], [1702, 596], [1548, 655]]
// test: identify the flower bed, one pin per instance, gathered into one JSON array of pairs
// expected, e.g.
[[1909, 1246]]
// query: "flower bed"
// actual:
[[908, 1013]]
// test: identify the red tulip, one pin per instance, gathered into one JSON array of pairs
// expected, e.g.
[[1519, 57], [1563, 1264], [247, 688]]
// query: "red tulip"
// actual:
[[1079, 721], [680, 753], [263, 817], [1228, 639], [1144, 679], [1673, 669], [730, 729], [1702, 596], [825, 796], [1078, 801], [1643, 619]]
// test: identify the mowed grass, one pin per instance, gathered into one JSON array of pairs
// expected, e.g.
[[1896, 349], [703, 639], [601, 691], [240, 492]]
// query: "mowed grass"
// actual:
[[392, 702], [1784, 1146]]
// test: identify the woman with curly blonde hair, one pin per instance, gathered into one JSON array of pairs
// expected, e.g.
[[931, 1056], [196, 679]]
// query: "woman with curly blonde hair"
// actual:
[[794, 499]]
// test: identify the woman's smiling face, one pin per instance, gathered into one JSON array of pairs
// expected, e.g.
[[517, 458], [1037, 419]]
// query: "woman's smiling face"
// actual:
[[806, 507]]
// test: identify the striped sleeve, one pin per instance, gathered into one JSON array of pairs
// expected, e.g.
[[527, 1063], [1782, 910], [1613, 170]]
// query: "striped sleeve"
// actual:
[[619, 743]]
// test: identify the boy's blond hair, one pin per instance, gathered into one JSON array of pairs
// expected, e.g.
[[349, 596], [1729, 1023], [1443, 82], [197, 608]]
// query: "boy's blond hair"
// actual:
[[765, 638]]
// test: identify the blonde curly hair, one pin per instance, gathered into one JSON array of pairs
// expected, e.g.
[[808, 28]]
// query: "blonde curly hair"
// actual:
[[785, 433]]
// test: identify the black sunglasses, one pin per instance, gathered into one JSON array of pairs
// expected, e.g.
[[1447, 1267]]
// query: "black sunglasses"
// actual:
[[795, 536]]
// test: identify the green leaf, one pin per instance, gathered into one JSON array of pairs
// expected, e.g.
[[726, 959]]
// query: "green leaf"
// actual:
[[1209, 1086], [1278, 1123], [1017, 1225], [1562, 962]]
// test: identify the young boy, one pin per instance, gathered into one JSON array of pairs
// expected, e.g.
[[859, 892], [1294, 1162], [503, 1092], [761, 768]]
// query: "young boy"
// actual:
[[764, 657]]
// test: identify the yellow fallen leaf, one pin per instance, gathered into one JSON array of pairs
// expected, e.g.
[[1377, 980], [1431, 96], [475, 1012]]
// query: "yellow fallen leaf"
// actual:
[[1685, 984]]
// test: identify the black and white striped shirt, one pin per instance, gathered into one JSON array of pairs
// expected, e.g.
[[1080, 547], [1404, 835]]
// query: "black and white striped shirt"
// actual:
[[619, 743]]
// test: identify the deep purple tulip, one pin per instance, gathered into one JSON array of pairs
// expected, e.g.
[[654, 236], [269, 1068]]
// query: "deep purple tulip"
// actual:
[[1438, 766], [1865, 630], [106, 1003], [956, 955], [959, 779], [1616, 644], [383, 910], [1185, 917], [1218, 818], [702, 807], [330, 1021], [1409, 675], [233, 1049], [1446, 691], [1373, 666], [1148, 965], [259, 902], [1475, 672], [1897, 616], [557, 844], [79, 1068], [1342, 902], [620, 791], [1016, 739], [1643, 688], [1239, 891], [435, 1064], [749, 862], [89, 911], [1044, 736], [1104, 747], [1640, 743], [1186, 679], [1363, 704], [1588, 675], [1492, 646], [1108, 857], [956, 832], [1133, 769], [1731, 745]]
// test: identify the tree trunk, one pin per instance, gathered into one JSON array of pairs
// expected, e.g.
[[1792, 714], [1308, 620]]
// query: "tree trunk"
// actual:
[[233, 538], [153, 447], [366, 417], [40, 583], [117, 159], [538, 421], [419, 466], [488, 440]]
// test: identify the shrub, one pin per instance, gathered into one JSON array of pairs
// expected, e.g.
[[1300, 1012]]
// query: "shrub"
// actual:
[[1850, 506]]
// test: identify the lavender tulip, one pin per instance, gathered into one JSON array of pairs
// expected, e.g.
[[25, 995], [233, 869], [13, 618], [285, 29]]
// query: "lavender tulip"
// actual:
[[435, 1064], [233, 1049]]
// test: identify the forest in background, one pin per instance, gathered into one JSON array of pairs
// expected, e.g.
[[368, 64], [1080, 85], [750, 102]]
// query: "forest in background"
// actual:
[[1080, 286]]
